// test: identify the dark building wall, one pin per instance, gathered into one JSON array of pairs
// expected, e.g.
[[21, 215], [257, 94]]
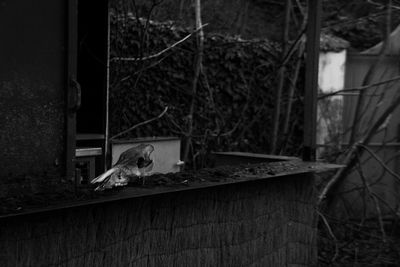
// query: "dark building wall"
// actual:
[[261, 223], [32, 88]]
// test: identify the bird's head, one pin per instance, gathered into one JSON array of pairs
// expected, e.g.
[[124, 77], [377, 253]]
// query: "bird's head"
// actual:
[[144, 160]]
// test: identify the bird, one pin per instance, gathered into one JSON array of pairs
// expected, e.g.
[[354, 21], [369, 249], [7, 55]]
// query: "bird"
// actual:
[[133, 162]]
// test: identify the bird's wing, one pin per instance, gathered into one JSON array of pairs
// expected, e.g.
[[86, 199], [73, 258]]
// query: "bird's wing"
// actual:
[[103, 176], [133, 154], [122, 158]]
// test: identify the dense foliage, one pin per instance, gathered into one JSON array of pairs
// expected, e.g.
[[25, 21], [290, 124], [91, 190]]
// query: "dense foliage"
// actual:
[[233, 103], [358, 21]]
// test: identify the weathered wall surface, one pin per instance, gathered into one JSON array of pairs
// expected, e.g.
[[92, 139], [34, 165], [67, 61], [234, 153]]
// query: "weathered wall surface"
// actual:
[[32, 89], [386, 142], [263, 223], [330, 109]]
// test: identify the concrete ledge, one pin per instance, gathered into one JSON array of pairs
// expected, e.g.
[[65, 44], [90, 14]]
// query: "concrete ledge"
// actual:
[[140, 192], [231, 158]]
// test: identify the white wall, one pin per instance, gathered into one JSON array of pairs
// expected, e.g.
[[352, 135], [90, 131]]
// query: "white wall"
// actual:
[[331, 71], [330, 110]]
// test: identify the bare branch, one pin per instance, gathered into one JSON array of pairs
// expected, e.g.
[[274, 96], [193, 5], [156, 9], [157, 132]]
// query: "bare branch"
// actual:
[[357, 89], [395, 213], [372, 196], [144, 68], [162, 51], [301, 8], [376, 157], [292, 86], [140, 124], [355, 151], [370, 73], [350, 159], [381, 5], [332, 235]]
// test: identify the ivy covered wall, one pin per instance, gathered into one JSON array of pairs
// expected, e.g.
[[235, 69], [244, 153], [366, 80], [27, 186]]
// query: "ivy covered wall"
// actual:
[[234, 100]]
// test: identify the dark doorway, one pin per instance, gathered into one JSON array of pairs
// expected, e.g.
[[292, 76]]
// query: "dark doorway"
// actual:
[[92, 65], [92, 76]]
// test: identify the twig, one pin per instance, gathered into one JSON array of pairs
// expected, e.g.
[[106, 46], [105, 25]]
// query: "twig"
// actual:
[[356, 89], [171, 120], [380, 5], [393, 210], [145, 68], [292, 86], [162, 51], [372, 196], [301, 9], [364, 188], [332, 235], [140, 124], [350, 159], [357, 20], [380, 162], [369, 75], [245, 107]]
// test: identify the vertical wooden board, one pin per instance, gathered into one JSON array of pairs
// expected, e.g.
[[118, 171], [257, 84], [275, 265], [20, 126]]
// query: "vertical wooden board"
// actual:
[[311, 79], [72, 86], [32, 90]]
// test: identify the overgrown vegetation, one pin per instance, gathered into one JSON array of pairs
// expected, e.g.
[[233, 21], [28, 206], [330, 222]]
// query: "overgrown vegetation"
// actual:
[[360, 22], [234, 100], [356, 244], [358, 205]]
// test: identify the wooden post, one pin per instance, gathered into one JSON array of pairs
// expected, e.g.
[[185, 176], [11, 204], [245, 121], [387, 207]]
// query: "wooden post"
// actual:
[[311, 85], [72, 87], [107, 155], [282, 72]]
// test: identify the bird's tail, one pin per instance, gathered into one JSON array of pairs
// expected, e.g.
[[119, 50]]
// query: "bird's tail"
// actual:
[[103, 176]]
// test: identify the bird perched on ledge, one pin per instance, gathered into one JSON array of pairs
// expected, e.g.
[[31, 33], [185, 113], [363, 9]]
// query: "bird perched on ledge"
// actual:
[[134, 162]]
